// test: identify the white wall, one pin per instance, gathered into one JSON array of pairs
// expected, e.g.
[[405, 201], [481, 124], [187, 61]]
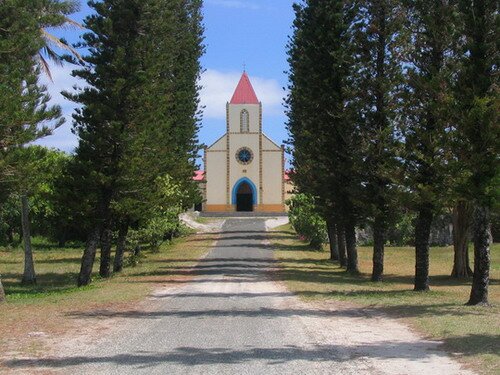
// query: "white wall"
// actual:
[[216, 177]]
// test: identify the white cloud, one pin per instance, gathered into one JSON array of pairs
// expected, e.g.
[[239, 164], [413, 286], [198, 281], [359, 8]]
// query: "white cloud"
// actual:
[[236, 4], [218, 88]]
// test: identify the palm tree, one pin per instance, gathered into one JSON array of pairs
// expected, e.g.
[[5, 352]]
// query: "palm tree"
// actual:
[[54, 13]]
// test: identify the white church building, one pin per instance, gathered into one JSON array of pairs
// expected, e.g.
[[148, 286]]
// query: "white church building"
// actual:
[[244, 169]]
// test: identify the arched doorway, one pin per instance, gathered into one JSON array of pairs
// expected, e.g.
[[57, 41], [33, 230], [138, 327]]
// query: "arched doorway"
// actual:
[[244, 195]]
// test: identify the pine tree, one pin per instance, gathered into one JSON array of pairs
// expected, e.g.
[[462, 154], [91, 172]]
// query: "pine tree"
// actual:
[[427, 119], [166, 114], [478, 98], [378, 76], [462, 222], [139, 119], [23, 101], [165, 117], [104, 121], [322, 122], [25, 113]]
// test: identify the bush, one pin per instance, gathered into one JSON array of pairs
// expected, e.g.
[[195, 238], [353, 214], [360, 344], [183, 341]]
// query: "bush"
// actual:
[[402, 232], [156, 230], [306, 221]]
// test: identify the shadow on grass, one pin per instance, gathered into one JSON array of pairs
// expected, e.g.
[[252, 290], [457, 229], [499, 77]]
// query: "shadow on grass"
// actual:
[[475, 344], [50, 282]]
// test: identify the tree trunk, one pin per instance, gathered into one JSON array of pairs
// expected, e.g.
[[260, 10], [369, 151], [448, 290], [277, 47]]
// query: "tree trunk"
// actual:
[[61, 242], [341, 245], [105, 264], [84, 278], [120, 248], [10, 235], [352, 251], [102, 222], [332, 238], [2, 292], [482, 238], [137, 250], [378, 249], [461, 225], [29, 276], [422, 234]]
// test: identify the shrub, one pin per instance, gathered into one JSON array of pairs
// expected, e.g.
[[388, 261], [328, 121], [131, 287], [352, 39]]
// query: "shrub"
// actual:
[[306, 221]]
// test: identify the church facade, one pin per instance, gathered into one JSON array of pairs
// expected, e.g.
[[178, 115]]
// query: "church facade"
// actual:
[[244, 169]]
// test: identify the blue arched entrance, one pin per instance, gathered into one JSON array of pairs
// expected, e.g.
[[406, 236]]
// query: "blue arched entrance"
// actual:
[[244, 195]]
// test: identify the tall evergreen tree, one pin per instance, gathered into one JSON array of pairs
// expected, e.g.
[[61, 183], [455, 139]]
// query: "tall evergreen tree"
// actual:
[[166, 118], [139, 119], [166, 114], [462, 222], [478, 99], [379, 42], [427, 119], [322, 123], [103, 123], [25, 113]]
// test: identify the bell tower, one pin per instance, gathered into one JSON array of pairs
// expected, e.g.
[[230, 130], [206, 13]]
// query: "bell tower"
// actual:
[[244, 144], [244, 109]]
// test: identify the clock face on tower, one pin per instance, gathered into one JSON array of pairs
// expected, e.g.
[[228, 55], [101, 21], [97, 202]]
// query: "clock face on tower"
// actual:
[[244, 155]]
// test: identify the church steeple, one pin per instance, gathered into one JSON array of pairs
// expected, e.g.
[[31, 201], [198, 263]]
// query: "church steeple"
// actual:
[[244, 93]]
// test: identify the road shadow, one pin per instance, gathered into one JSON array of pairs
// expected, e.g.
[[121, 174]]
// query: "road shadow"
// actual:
[[191, 356]]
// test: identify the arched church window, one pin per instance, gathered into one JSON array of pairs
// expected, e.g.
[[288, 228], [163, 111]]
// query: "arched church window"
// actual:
[[245, 121]]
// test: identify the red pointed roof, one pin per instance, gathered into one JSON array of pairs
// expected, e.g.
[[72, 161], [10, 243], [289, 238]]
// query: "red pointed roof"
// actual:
[[244, 93]]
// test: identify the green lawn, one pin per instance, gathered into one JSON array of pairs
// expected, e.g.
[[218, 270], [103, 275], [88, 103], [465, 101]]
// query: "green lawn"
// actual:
[[49, 306], [474, 332]]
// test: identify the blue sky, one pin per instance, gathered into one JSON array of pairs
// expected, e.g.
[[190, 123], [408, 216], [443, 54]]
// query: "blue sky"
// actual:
[[253, 33]]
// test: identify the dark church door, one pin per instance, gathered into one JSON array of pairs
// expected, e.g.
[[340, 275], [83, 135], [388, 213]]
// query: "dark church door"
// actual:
[[244, 198]]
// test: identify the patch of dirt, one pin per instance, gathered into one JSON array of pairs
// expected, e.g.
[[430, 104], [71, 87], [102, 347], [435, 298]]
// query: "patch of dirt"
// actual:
[[276, 222], [189, 219]]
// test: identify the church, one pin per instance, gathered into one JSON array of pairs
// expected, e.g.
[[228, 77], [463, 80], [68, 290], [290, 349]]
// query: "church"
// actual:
[[244, 170]]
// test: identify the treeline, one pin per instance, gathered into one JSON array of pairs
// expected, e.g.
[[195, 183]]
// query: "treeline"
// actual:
[[393, 107], [137, 120]]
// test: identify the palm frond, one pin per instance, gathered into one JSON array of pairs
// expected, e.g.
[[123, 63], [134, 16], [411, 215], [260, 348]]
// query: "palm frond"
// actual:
[[44, 65], [53, 55], [51, 39], [69, 21]]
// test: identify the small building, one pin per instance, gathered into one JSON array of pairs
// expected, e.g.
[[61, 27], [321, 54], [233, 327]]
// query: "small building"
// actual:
[[244, 168]]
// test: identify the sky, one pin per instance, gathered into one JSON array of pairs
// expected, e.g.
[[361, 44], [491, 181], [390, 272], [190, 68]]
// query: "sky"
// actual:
[[250, 34]]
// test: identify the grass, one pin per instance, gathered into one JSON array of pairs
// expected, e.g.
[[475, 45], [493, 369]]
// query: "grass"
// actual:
[[470, 333], [47, 307]]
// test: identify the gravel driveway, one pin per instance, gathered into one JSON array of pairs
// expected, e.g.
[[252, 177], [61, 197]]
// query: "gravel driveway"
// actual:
[[233, 319]]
